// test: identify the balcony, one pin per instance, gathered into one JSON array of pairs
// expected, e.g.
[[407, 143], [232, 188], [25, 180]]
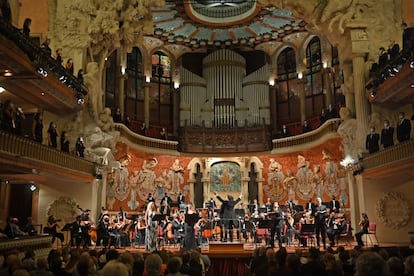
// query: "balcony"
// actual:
[[24, 160]]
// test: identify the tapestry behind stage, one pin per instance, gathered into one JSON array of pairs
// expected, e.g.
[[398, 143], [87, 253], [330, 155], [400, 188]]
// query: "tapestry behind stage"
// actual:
[[298, 176]]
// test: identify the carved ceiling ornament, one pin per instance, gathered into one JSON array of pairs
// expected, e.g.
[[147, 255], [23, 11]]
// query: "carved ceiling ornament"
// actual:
[[394, 210]]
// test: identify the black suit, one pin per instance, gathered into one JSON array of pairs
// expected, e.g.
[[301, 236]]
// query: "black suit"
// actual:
[[310, 207], [334, 205], [320, 225], [403, 130], [228, 215], [372, 142], [387, 137], [277, 228], [180, 199]]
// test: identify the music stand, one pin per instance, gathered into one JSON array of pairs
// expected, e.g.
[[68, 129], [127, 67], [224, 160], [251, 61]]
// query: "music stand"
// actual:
[[262, 210], [251, 207], [174, 204], [263, 224], [67, 227]]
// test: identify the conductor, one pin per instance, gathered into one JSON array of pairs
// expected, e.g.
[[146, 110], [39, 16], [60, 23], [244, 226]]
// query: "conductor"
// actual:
[[228, 214]]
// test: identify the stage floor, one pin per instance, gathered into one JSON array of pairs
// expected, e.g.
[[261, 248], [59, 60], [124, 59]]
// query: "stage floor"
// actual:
[[236, 248]]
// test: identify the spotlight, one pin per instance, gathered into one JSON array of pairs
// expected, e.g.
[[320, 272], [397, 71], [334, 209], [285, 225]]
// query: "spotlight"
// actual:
[[81, 100], [412, 64], [373, 94], [62, 79], [33, 187], [41, 72]]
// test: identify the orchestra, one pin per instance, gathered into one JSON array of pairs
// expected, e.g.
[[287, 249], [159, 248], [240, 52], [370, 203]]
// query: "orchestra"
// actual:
[[168, 223]]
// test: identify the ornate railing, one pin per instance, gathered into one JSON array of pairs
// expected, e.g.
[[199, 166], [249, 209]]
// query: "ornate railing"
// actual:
[[25, 148], [388, 155], [216, 140], [329, 127], [40, 57], [41, 245], [165, 146], [221, 10]]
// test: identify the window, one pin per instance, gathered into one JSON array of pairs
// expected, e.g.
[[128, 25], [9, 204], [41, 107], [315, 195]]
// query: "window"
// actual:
[[314, 77]]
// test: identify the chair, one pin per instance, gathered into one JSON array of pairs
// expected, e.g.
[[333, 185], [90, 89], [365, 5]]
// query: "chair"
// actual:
[[372, 231], [262, 233], [307, 231], [345, 235]]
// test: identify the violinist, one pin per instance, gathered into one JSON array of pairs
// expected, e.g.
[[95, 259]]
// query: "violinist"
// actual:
[[76, 232], [178, 229], [332, 228], [364, 223], [114, 232], [52, 225], [291, 231], [165, 205], [140, 231], [86, 225]]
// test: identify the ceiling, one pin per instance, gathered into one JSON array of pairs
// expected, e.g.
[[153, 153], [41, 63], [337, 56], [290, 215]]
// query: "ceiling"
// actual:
[[223, 23]]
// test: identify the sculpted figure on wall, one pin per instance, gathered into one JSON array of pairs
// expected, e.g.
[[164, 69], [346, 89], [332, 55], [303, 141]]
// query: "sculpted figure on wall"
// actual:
[[91, 80], [347, 131]]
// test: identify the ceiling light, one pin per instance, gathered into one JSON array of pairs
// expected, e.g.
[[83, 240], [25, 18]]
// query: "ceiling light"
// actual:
[[2, 89], [7, 73], [373, 94], [412, 64]]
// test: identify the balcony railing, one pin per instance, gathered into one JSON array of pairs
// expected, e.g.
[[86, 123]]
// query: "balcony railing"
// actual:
[[330, 127], [25, 148], [40, 57], [391, 154], [165, 146]]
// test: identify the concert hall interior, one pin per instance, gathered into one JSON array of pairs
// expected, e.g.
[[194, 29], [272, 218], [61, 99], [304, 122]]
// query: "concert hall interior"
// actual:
[[107, 106]]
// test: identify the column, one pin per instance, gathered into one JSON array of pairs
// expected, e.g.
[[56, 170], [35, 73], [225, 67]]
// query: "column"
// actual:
[[362, 106], [273, 107], [327, 79], [302, 99], [121, 90], [176, 110], [260, 190], [360, 48], [353, 200], [146, 103]]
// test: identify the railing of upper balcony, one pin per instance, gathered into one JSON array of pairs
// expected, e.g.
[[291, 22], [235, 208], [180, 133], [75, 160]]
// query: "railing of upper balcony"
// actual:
[[41, 58], [329, 127], [23, 147], [388, 155], [157, 144]]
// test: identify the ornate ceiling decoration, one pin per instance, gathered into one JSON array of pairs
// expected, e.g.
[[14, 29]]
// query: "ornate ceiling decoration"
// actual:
[[223, 23]]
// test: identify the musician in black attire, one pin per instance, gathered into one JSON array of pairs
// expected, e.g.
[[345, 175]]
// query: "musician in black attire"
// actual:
[[387, 135], [85, 225], [180, 199], [52, 225], [228, 214], [320, 224], [165, 204], [277, 225], [76, 232]]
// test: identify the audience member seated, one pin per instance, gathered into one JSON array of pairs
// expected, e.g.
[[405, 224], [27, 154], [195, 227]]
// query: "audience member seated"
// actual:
[[13, 230]]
